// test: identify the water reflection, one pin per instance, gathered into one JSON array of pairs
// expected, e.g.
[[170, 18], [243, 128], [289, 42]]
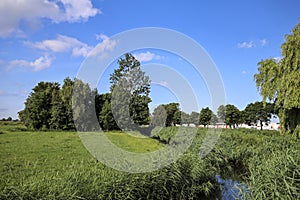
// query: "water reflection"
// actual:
[[232, 189]]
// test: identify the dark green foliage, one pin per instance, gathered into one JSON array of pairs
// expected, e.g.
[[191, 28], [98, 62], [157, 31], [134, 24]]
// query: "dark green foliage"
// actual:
[[58, 111], [205, 116], [166, 115], [37, 112], [258, 111], [172, 117], [106, 118], [52, 107], [232, 116], [66, 94]]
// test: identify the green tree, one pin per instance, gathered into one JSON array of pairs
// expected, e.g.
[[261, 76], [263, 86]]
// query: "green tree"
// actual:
[[280, 83], [194, 118], [172, 117], [205, 116], [214, 119], [221, 113], [130, 89], [107, 121], [258, 111], [66, 95], [184, 118], [159, 116], [84, 114], [233, 115], [58, 111], [37, 112]]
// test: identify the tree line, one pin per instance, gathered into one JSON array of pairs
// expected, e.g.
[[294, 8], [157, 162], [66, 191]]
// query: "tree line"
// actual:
[[170, 115], [74, 104]]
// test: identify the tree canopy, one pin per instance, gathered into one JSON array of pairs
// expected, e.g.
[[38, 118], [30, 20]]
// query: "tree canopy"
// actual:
[[232, 115], [258, 111], [279, 81], [130, 88], [205, 116]]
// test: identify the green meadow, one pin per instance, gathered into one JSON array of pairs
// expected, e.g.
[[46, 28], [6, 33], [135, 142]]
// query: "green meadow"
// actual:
[[55, 165]]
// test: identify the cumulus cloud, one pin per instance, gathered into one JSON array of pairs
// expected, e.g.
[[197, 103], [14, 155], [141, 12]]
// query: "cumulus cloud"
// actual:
[[102, 49], [246, 45], [12, 13], [145, 57], [63, 44], [39, 64]]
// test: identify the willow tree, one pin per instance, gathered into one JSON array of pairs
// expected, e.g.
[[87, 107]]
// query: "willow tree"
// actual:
[[280, 82]]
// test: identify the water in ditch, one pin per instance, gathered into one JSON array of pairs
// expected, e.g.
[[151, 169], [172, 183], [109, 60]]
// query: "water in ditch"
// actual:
[[231, 189]]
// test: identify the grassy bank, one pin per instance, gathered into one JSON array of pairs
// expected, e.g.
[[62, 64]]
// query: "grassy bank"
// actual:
[[55, 165]]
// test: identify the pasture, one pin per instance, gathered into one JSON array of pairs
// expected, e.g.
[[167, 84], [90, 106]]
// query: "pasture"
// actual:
[[55, 165]]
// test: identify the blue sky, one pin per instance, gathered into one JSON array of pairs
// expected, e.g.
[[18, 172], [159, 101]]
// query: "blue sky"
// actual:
[[48, 40]]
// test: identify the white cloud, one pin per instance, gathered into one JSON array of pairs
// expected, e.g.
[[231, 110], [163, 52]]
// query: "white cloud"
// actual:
[[63, 44], [145, 57], [103, 47], [31, 11], [77, 10], [39, 64], [246, 45], [263, 42]]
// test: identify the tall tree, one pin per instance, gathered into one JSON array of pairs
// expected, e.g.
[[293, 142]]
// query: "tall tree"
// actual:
[[58, 111], [194, 118], [84, 114], [130, 89], [233, 115], [172, 117], [66, 95], [107, 121], [214, 119], [37, 112], [205, 116], [221, 113], [184, 118], [280, 83], [159, 116]]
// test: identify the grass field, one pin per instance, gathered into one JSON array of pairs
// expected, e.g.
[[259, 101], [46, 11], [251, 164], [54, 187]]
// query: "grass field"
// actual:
[[55, 165]]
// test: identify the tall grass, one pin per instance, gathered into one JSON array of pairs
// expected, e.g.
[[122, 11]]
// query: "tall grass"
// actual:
[[55, 165]]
